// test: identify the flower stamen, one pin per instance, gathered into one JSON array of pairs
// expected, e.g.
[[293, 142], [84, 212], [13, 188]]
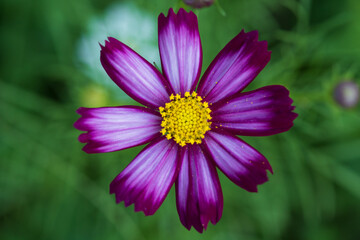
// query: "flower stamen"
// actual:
[[185, 119]]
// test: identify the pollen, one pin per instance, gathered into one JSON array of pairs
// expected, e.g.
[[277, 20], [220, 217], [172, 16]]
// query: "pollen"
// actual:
[[185, 119]]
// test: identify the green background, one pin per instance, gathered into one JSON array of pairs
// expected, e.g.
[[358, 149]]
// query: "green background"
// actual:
[[50, 189]]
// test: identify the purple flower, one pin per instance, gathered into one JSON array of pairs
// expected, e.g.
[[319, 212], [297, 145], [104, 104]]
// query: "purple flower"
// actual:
[[189, 133], [198, 3], [346, 94]]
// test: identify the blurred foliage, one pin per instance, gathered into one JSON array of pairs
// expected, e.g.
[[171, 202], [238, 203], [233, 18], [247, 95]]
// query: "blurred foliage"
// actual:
[[50, 189]]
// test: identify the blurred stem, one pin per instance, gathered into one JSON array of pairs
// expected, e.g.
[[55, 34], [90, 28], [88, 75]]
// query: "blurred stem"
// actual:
[[219, 8], [343, 176], [301, 177], [304, 16], [66, 171]]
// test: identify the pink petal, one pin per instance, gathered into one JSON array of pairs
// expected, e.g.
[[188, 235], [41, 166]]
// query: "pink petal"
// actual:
[[180, 49], [115, 128], [241, 163], [146, 181], [133, 74], [238, 63], [198, 192], [262, 112]]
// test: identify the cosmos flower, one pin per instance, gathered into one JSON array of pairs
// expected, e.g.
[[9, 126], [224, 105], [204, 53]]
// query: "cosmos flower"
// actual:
[[191, 127]]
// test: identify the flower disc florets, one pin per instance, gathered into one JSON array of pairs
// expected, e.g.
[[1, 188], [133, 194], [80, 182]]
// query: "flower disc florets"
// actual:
[[185, 119]]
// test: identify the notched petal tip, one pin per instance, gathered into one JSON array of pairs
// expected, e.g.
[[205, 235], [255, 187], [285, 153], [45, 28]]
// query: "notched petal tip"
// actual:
[[181, 15], [88, 149], [81, 110], [114, 42], [252, 35], [295, 115], [78, 125], [270, 170], [162, 17], [252, 190], [110, 45], [241, 163], [199, 197], [171, 12], [83, 138], [106, 43], [146, 181], [262, 112], [263, 50]]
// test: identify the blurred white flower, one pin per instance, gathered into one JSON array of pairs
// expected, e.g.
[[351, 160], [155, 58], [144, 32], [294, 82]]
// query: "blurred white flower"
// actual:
[[124, 21]]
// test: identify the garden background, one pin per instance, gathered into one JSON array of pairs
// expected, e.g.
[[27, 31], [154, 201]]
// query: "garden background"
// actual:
[[49, 66]]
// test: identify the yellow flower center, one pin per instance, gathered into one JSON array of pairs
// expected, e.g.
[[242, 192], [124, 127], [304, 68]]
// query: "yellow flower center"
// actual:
[[185, 119]]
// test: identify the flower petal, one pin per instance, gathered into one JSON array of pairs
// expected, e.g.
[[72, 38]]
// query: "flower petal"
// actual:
[[238, 63], [133, 74], [262, 112], [180, 50], [241, 163], [146, 181], [115, 128], [198, 192]]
